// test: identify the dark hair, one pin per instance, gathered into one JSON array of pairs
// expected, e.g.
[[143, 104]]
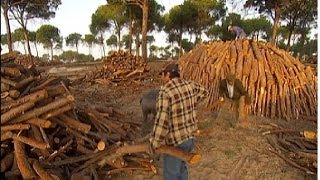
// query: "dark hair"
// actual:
[[174, 74]]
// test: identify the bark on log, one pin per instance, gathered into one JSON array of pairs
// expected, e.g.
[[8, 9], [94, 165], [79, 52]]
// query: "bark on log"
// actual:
[[22, 161], [31, 142], [11, 71], [191, 158], [74, 124], [34, 97], [14, 112], [6, 162], [39, 122], [6, 135], [15, 127], [43, 174], [41, 110]]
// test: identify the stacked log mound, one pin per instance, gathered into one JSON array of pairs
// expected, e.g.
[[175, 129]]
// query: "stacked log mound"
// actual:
[[279, 85], [118, 66], [44, 136]]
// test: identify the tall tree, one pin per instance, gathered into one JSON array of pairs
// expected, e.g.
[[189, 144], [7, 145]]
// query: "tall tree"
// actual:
[[115, 14], [112, 41], [49, 36], [273, 8], [74, 39], [33, 38], [89, 40], [18, 36], [300, 14], [144, 5], [99, 24], [5, 6], [24, 10]]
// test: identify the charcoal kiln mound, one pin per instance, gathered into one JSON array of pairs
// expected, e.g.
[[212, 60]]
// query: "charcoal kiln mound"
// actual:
[[279, 85]]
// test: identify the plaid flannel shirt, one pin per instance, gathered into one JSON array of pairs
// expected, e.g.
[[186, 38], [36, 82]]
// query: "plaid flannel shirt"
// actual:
[[176, 120]]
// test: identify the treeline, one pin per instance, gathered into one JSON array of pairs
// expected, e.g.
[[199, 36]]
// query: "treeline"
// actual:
[[134, 23]]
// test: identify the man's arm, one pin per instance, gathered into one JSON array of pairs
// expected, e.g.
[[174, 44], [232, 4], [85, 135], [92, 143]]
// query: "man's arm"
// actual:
[[160, 129], [201, 91], [242, 91]]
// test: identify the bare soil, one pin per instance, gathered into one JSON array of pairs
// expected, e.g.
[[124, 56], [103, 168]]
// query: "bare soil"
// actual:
[[228, 151]]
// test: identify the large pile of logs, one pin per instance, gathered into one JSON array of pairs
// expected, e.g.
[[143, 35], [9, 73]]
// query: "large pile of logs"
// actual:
[[279, 85], [40, 127], [45, 135], [119, 65]]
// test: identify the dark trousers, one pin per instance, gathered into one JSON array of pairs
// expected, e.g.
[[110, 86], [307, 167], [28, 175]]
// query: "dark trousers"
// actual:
[[176, 169]]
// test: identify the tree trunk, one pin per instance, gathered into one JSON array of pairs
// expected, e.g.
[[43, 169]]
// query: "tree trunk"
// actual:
[[130, 30], [102, 45], [35, 45], [27, 39], [180, 44], [137, 45], [276, 23], [144, 30], [6, 19], [119, 36], [51, 48]]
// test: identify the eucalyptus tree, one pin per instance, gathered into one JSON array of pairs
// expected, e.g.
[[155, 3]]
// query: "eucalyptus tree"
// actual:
[[273, 8], [74, 39], [25, 10], [99, 25], [89, 40], [49, 36]]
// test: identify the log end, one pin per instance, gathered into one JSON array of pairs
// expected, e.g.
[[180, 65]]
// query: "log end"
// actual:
[[195, 159]]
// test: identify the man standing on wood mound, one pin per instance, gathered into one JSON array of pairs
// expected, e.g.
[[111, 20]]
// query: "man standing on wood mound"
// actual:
[[176, 120], [235, 94], [238, 31]]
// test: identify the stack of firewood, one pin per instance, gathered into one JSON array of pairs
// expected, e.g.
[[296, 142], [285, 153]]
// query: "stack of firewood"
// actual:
[[27, 61], [44, 135], [279, 85], [119, 65], [297, 148]]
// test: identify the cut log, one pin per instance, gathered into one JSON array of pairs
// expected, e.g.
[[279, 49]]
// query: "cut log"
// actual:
[[22, 161], [31, 142]]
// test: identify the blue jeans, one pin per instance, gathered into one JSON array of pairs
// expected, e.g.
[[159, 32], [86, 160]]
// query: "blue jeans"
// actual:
[[176, 169]]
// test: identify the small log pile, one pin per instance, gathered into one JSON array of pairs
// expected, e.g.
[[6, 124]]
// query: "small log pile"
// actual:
[[278, 84], [27, 61], [118, 66], [297, 148], [45, 135]]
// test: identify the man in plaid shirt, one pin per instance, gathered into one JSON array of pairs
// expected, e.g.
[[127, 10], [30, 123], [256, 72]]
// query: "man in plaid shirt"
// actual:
[[176, 120]]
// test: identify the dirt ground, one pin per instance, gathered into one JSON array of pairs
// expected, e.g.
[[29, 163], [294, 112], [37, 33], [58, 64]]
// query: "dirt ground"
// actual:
[[228, 151]]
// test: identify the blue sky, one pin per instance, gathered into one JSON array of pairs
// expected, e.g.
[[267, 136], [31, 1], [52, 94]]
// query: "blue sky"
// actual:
[[75, 16]]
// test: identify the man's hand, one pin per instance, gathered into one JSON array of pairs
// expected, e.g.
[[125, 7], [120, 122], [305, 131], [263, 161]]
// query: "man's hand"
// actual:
[[150, 150]]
